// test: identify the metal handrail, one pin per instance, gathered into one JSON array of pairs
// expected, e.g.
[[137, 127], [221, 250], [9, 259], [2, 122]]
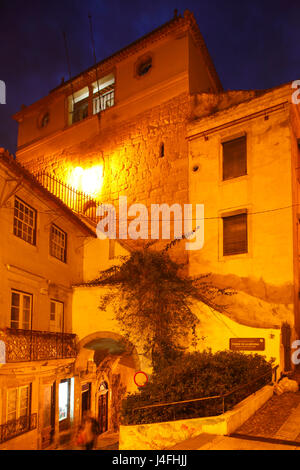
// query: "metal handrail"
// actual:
[[78, 201], [224, 395]]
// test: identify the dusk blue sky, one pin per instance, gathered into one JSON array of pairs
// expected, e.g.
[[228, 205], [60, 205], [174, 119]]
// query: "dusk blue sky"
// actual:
[[254, 44]]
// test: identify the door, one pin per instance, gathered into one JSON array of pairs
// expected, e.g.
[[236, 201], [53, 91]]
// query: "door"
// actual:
[[85, 398], [49, 415], [103, 407]]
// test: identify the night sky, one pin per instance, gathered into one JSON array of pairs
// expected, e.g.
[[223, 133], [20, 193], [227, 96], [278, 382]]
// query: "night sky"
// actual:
[[254, 43]]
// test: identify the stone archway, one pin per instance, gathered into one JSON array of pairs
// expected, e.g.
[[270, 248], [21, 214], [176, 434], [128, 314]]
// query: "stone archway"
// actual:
[[114, 362]]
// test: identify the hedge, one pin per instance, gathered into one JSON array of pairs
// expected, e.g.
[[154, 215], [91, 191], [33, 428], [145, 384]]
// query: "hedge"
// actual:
[[195, 375]]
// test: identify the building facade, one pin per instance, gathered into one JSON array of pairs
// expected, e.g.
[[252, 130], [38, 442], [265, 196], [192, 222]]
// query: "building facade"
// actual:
[[41, 258], [153, 123]]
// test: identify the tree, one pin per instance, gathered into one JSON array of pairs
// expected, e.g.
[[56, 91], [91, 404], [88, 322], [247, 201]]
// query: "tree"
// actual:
[[153, 302]]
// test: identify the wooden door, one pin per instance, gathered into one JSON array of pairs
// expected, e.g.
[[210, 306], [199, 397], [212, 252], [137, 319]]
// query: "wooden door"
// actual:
[[103, 412]]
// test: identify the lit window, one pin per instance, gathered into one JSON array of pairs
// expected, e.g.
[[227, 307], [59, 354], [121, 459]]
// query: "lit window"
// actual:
[[66, 403], [103, 93], [235, 239], [24, 221], [234, 158], [58, 243], [56, 315], [18, 402], [78, 105], [21, 307]]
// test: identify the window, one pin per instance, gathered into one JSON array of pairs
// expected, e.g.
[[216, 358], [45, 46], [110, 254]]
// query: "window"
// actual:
[[103, 93], [45, 120], [78, 105], [111, 248], [18, 402], [162, 150], [24, 221], [234, 158], [56, 316], [144, 66], [58, 243], [66, 403], [235, 240], [21, 308]]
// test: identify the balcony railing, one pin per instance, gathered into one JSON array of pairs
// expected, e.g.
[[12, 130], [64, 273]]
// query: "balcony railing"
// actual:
[[77, 201], [16, 427], [105, 100], [32, 345]]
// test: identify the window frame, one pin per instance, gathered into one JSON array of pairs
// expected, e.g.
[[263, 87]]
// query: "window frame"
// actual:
[[34, 226], [18, 408], [231, 216], [64, 260], [55, 301], [21, 318], [228, 140]]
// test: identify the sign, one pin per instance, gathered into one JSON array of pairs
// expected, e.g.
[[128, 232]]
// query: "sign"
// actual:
[[247, 344]]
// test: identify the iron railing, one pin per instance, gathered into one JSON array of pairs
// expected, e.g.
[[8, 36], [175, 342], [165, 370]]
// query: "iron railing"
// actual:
[[204, 406], [31, 345], [18, 426], [105, 100], [77, 201]]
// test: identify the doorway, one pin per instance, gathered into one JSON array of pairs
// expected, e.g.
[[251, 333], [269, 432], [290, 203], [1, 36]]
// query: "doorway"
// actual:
[[103, 407], [85, 398], [49, 415]]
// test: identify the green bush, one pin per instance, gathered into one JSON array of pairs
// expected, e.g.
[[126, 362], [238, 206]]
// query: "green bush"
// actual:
[[195, 375]]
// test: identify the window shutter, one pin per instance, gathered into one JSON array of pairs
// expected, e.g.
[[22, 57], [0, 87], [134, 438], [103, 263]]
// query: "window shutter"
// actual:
[[234, 158], [235, 239]]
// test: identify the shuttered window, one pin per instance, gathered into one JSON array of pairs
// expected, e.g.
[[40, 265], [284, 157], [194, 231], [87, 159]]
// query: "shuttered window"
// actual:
[[234, 158], [235, 239]]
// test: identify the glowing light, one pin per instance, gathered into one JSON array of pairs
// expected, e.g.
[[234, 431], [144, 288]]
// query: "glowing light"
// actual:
[[88, 180]]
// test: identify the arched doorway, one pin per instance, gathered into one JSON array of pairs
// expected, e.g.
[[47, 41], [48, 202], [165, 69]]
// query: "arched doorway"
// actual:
[[114, 362]]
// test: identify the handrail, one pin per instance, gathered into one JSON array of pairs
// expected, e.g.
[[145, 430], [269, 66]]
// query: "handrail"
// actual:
[[224, 395]]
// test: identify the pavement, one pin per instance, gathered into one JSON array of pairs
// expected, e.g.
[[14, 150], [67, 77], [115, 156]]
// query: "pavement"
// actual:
[[214, 442]]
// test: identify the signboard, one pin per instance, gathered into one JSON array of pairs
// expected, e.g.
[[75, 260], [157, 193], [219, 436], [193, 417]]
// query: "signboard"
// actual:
[[247, 344]]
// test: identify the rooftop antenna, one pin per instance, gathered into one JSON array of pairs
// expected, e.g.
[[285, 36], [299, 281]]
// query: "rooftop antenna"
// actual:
[[69, 68], [95, 61]]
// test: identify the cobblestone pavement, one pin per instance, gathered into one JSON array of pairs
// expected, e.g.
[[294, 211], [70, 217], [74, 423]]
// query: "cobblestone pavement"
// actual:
[[268, 420]]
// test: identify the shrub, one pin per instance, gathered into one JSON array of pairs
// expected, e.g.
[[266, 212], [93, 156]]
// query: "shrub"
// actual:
[[195, 375]]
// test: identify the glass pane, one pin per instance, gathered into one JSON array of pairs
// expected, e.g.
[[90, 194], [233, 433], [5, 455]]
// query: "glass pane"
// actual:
[[24, 399], [14, 314], [15, 299], [12, 404], [26, 302]]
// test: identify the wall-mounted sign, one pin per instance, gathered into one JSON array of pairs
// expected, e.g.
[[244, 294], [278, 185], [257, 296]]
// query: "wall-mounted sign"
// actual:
[[247, 344]]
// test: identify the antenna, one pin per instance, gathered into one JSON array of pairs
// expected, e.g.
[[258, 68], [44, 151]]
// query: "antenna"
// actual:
[[95, 61], [69, 67]]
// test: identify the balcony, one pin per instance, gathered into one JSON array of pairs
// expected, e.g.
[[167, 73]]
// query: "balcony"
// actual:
[[79, 202], [32, 345], [16, 427], [104, 101]]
